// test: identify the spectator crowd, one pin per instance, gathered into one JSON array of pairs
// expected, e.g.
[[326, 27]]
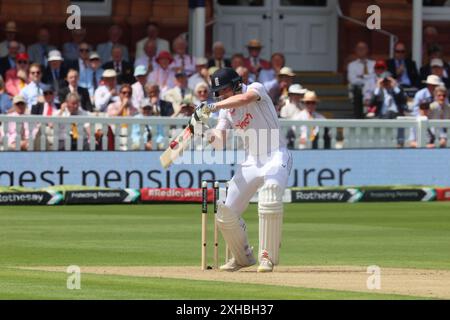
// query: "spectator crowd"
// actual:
[[163, 79]]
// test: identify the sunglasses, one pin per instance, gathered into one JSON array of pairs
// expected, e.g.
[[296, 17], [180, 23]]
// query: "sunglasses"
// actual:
[[126, 92], [35, 72], [400, 51], [442, 95], [310, 102], [22, 61], [84, 50], [48, 93]]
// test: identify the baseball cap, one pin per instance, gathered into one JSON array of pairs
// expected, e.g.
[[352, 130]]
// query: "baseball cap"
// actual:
[[200, 61], [140, 71], [47, 88], [437, 63], [180, 73], [19, 99], [22, 56], [380, 64], [146, 103], [94, 55]]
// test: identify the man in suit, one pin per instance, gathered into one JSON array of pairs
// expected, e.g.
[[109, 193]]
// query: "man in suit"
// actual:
[[123, 68], [254, 63], [388, 99], [94, 74], [56, 71], [152, 34], [9, 61], [403, 69], [71, 49], [218, 59], [104, 49], [72, 80], [10, 35], [180, 96], [160, 107], [48, 106], [81, 64], [435, 54], [38, 52]]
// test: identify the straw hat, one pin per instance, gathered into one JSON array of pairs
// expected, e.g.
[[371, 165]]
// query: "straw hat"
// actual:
[[310, 96]]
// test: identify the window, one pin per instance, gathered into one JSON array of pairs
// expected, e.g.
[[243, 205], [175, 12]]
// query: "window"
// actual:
[[251, 3], [310, 3], [436, 10], [95, 8]]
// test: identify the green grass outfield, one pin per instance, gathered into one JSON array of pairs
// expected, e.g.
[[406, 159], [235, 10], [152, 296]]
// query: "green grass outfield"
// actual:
[[407, 235]]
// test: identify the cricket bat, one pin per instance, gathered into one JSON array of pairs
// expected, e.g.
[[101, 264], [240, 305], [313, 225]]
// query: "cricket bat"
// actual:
[[176, 147]]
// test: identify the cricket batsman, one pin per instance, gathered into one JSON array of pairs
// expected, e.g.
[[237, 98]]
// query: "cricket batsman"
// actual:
[[266, 167]]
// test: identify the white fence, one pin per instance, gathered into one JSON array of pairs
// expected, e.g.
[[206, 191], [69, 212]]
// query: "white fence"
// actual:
[[55, 133]]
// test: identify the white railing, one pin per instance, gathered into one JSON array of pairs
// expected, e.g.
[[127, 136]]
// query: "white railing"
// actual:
[[54, 133]]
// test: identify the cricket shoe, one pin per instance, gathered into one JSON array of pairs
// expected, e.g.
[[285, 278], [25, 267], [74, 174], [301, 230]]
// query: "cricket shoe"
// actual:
[[232, 265], [265, 265]]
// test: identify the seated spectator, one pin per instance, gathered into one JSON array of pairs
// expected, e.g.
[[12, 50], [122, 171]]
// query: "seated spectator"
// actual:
[[71, 49], [139, 91], [56, 71], [17, 78], [71, 108], [152, 34], [202, 94], [278, 88], [32, 92], [73, 86], [146, 135], [160, 107], [359, 72], [5, 99], [244, 74], [254, 63], [403, 69], [388, 99], [148, 60], [310, 102], [39, 51], [435, 55], [106, 93], [277, 62], [46, 108], [218, 56], [426, 94], [294, 104], [201, 75], [9, 61], [182, 60], [19, 109], [123, 107], [291, 108], [124, 69], [81, 64], [163, 75], [93, 75], [10, 35], [431, 134], [104, 49], [440, 107], [237, 60], [179, 95], [371, 84]]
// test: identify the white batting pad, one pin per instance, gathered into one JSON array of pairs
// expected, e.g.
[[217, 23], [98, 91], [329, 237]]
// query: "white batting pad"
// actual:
[[270, 209], [234, 231]]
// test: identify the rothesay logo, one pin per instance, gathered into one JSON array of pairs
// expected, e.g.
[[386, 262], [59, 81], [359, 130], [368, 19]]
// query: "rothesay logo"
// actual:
[[216, 81]]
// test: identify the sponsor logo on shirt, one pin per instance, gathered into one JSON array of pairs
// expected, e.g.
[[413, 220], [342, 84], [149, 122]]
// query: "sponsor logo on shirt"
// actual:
[[245, 122]]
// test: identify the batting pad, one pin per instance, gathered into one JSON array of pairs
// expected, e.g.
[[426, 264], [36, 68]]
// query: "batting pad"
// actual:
[[270, 211], [235, 234]]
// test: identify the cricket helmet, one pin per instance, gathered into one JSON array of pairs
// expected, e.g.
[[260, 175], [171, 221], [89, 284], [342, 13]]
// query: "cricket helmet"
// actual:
[[224, 78]]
